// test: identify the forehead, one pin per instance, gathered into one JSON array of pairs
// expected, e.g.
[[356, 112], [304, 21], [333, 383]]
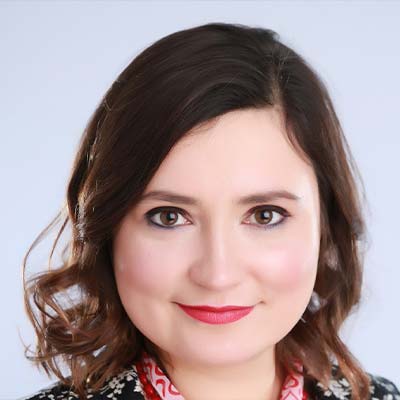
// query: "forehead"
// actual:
[[243, 150]]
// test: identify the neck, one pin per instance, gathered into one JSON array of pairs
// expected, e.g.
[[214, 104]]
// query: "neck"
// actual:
[[259, 378]]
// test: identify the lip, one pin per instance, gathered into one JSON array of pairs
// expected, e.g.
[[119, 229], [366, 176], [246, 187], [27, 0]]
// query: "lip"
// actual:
[[216, 315]]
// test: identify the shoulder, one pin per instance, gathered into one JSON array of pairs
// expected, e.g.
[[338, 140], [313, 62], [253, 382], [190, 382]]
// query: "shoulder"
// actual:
[[339, 388], [124, 386], [383, 388]]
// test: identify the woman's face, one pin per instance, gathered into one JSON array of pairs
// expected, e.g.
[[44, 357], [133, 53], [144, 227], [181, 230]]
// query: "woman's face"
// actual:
[[217, 250]]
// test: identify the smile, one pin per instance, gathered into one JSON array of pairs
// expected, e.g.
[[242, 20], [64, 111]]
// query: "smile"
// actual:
[[216, 315]]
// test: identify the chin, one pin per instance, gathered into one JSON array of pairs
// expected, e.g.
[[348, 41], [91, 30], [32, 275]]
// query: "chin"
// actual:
[[221, 352]]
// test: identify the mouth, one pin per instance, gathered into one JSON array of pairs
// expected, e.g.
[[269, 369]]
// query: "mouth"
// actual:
[[216, 315]]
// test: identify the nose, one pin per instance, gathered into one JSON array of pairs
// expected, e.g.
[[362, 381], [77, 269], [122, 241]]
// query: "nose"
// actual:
[[218, 268]]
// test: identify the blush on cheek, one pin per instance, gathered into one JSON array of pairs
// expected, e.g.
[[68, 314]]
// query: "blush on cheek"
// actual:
[[135, 268], [289, 267], [146, 265]]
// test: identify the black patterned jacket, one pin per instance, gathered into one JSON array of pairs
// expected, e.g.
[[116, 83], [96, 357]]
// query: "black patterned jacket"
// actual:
[[126, 386]]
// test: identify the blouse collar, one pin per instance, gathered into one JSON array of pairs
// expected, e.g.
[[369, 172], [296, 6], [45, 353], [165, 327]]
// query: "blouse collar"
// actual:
[[292, 388]]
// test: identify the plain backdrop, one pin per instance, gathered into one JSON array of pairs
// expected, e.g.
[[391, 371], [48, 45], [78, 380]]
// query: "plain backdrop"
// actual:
[[59, 57]]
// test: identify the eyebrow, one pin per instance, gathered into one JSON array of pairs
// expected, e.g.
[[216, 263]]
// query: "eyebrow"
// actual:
[[249, 199]]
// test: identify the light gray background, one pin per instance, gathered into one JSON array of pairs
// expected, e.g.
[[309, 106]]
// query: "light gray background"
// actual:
[[57, 60]]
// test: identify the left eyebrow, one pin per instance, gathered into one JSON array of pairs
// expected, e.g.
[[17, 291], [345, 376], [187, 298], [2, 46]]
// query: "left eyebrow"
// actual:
[[254, 198]]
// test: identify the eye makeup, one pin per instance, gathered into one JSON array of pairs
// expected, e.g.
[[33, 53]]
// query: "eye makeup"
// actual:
[[269, 208]]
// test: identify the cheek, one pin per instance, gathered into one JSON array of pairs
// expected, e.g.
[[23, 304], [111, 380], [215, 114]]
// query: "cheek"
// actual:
[[142, 266], [290, 266]]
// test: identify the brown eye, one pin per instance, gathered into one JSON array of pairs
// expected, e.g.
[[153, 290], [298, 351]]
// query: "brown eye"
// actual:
[[264, 215], [168, 217], [164, 217]]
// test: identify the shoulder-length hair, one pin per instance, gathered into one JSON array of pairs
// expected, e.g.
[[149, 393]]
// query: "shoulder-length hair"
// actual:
[[183, 81]]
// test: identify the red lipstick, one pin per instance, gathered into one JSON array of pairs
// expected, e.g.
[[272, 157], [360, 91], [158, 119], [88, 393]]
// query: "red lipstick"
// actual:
[[216, 315]]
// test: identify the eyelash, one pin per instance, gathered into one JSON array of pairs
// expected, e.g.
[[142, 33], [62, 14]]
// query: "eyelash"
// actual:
[[157, 210]]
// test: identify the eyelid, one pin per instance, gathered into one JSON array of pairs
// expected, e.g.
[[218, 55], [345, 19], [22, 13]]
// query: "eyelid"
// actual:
[[156, 210], [272, 207], [284, 213]]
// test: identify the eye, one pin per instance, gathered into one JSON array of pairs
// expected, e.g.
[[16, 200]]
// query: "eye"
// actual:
[[265, 214], [166, 217]]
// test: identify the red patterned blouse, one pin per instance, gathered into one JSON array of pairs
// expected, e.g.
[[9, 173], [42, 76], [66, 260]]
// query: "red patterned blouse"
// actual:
[[156, 384]]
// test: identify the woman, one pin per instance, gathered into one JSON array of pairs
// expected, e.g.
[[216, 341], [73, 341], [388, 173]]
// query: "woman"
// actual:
[[240, 293]]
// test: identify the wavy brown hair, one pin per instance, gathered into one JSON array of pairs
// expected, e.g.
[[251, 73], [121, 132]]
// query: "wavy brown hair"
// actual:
[[180, 82]]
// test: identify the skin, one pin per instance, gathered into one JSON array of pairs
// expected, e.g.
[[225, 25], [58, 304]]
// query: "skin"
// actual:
[[221, 253]]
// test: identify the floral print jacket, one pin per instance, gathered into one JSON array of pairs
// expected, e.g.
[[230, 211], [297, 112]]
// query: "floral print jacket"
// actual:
[[126, 386]]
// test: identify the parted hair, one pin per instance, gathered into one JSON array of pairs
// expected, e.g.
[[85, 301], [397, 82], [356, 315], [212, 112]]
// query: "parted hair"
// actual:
[[181, 82]]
